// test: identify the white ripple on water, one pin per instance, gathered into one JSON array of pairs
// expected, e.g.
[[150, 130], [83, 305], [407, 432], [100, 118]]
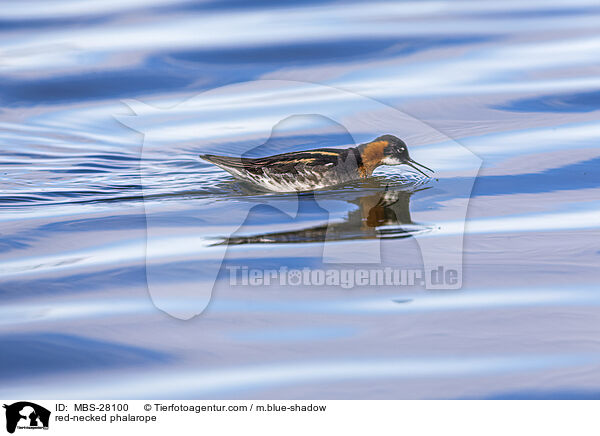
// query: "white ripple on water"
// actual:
[[53, 311], [199, 246], [197, 383], [14, 10], [281, 25], [490, 69]]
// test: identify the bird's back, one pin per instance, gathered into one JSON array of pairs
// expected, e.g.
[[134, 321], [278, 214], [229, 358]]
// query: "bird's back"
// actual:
[[302, 170]]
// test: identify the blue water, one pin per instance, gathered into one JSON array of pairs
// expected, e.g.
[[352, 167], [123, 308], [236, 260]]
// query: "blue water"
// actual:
[[113, 232]]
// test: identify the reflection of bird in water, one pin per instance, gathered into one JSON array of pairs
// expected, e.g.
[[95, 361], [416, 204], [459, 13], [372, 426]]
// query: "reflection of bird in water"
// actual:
[[314, 169], [384, 214]]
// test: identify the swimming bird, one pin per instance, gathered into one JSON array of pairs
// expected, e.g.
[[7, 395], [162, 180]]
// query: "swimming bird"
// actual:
[[314, 169]]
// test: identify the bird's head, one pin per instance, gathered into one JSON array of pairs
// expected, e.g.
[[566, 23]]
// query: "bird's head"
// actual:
[[396, 153]]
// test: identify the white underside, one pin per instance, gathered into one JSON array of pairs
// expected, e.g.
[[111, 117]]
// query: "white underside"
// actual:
[[303, 181]]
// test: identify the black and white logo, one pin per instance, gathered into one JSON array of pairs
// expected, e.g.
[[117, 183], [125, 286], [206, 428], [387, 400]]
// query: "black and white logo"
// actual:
[[26, 415]]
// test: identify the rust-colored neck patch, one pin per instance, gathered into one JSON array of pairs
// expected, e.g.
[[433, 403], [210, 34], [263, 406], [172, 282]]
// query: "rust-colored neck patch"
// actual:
[[371, 155]]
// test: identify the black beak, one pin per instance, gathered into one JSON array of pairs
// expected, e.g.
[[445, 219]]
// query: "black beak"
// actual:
[[410, 163]]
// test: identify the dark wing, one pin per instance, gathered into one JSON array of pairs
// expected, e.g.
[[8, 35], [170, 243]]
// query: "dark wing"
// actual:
[[281, 163], [226, 161]]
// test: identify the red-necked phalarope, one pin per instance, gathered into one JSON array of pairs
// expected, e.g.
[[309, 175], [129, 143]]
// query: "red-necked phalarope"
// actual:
[[314, 169]]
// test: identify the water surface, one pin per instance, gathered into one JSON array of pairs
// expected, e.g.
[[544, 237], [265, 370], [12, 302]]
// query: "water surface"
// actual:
[[515, 84]]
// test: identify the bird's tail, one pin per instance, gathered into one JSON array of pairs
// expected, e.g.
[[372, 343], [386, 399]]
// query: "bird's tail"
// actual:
[[223, 161]]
